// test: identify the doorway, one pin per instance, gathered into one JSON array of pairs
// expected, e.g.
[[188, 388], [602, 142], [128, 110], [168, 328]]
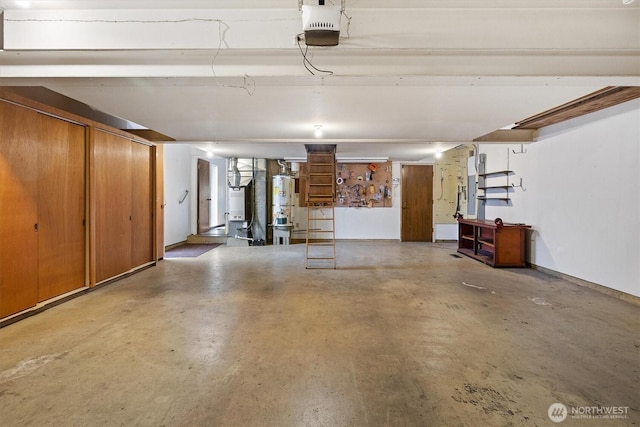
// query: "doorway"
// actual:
[[417, 203], [204, 196]]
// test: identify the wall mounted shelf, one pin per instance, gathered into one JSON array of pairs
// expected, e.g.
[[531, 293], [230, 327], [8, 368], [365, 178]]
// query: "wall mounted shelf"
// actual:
[[496, 173], [499, 189]]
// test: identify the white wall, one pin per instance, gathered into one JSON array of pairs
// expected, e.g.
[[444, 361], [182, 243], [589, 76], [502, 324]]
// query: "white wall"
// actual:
[[361, 223], [180, 174], [368, 223], [177, 179], [372, 223], [582, 182], [445, 232]]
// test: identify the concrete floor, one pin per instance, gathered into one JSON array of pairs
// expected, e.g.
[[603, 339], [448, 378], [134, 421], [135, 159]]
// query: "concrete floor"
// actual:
[[402, 334]]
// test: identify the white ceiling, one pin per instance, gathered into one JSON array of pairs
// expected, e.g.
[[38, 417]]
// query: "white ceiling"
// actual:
[[409, 77]]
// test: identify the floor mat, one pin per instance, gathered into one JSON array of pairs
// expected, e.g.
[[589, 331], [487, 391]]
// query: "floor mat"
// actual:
[[190, 250]]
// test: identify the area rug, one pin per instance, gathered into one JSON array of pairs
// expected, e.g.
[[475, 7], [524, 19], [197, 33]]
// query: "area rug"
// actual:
[[190, 250]]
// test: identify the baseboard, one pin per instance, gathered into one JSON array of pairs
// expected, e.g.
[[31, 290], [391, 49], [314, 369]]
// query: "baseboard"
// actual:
[[123, 275], [42, 306], [302, 240], [367, 240], [175, 245], [594, 286], [55, 301]]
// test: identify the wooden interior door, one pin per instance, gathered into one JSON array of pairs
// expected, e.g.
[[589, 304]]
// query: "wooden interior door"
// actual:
[[204, 196], [61, 207], [417, 203], [113, 174], [18, 209], [141, 204]]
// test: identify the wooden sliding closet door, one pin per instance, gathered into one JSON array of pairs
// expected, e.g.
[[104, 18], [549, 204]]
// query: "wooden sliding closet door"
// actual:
[[124, 222], [61, 207], [113, 173], [142, 204], [159, 208], [18, 209]]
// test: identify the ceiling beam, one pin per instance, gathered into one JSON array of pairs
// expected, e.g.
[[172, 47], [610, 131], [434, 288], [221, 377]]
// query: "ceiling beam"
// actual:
[[502, 29], [604, 98], [150, 135], [506, 136]]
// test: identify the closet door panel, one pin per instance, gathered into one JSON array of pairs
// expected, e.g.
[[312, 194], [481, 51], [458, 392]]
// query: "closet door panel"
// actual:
[[61, 207], [113, 171], [18, 209], [159, 182], [142, 204]]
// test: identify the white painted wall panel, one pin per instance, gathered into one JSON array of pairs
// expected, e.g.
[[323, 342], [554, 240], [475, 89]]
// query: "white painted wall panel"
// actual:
[[177, 179], [372, 223], [446, 232], [365, 223], [582, 197]]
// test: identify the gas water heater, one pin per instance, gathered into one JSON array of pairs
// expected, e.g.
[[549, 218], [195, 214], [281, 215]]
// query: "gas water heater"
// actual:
[[282, 206]]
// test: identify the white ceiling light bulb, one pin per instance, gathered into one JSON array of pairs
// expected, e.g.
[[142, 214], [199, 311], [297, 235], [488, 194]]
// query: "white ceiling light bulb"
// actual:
[[439, 155], [318, 131], [23, 3]]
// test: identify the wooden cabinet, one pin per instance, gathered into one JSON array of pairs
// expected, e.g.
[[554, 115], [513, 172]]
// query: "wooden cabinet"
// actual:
[[159, 208], [61, 208], [42, 207], [77, 203], [18, 210], [124, 204], [142, 204], [493, 242]]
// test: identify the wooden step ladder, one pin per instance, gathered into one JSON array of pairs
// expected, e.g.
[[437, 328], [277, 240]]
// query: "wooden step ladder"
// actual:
[[320, 249]]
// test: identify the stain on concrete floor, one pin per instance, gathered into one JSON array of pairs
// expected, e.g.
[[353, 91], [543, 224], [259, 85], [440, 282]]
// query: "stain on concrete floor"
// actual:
[[246, 336]]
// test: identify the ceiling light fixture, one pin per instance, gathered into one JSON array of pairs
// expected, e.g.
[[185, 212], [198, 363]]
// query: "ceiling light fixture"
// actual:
[[318, 131], [23, 3]]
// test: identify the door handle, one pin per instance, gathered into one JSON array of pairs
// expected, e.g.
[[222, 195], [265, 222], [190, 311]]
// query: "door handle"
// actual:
[[404, 205]]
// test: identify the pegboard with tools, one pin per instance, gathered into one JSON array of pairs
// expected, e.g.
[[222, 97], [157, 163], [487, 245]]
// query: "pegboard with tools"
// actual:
[[367, 185]]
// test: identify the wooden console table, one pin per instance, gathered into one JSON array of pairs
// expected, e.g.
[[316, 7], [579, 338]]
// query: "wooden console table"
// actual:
[[493, 242]]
